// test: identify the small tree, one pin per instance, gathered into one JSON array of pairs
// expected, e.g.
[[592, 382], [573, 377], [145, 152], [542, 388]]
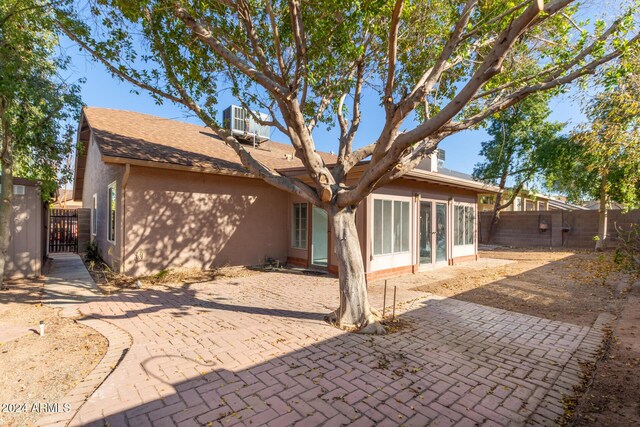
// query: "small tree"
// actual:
[[454, 63], [523, 144], [603, 159], [35, 103]]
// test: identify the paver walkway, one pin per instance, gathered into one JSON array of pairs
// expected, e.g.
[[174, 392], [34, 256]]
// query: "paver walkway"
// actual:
[[68, 284], [255, 351]]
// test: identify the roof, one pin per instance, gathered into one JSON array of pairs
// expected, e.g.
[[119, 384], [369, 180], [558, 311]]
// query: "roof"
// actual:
[[565, 206], [127, 137], [456, 174], [135, 136], [452, 180], [595, 205]]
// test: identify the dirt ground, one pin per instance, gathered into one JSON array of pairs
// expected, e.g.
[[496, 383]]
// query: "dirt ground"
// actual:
[[40, 370], [110, 282], [570, 287], [613, 398]]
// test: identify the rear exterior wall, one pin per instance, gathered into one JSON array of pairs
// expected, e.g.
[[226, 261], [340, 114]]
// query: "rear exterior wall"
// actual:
[[98, 177], [178, 219]]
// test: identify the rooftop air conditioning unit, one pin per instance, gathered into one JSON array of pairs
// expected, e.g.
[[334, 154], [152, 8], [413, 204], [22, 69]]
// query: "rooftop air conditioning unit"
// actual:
[[244, 126]]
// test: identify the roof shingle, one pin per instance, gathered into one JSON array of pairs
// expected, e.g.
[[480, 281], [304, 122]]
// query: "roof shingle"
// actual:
[[138, 136]]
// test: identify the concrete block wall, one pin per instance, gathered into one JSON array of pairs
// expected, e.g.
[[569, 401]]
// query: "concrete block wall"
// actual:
[[571, 229], [84, 228]]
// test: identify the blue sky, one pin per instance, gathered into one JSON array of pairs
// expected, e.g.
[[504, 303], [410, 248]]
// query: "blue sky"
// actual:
[[102, 90]]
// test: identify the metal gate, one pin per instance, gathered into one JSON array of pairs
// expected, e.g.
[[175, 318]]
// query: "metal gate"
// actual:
[[63, 230]]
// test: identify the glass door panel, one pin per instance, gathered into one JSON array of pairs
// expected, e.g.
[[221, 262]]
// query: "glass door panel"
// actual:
[[320, 238], [425, 233], [441, 232]]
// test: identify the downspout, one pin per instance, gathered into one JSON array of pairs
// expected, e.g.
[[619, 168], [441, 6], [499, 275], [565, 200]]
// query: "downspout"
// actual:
[[125, 180]]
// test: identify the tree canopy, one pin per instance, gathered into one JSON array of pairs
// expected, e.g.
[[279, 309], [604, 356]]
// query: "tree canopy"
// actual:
[[455, 63], [38, 106], [523, 146], [449, 63], [605, 151]]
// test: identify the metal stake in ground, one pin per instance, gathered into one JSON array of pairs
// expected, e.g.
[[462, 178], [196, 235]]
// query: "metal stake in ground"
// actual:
[[384, 299], [393, 316]]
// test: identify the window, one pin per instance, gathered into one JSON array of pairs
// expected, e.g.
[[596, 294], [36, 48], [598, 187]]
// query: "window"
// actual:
[[391, 226], [299, 226], [517, 204], [464, 218], [111, 230], [487, 200], [18, 190], [528, 206], [94, 215]]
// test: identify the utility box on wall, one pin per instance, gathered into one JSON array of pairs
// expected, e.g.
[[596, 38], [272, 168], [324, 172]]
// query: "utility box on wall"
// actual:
[[26, 250]]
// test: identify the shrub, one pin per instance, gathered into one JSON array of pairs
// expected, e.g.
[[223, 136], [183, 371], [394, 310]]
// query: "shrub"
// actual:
[[628, 250], [92, 253]]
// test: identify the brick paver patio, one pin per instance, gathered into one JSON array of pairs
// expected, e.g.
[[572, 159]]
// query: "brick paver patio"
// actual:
[[255, 351]]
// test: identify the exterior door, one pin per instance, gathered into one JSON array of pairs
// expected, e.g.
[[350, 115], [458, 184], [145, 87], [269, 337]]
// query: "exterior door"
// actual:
[[425, 250], [433, 233], [320, 238], [441, 232]]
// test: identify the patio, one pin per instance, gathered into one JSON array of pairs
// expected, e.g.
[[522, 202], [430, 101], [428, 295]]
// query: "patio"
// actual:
[[254, 350]]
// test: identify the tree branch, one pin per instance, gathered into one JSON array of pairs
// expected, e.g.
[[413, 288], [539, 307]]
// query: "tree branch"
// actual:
[[491, 66], [546, 84], [299, 39], [244, 13], [276, 40], [114, 70], [392, 53], [201, 32]]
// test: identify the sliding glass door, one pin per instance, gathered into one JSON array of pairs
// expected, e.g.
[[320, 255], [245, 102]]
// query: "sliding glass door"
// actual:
[[433, 233]]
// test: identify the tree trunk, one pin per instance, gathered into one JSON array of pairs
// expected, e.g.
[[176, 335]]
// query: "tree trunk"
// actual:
[[603, 215], [6, 197], [355, 311], [495, 216]]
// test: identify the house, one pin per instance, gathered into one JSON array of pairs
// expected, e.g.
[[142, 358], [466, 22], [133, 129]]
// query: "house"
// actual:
[[527, 201], [166, 194], [64, 200], [595, 205]]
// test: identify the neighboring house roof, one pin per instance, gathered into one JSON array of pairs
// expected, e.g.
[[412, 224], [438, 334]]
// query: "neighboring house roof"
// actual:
[[64, 198], [595, 205], [565, 206]]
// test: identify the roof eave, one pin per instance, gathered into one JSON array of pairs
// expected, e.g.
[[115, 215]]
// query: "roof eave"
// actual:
[[174, 166], [450, 180]]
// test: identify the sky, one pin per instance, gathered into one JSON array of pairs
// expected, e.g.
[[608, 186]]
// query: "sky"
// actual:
[[103, 90]]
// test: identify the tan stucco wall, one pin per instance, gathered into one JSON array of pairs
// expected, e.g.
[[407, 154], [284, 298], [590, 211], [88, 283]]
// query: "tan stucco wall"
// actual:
[[25, 248], [97, 178], [187, 219]]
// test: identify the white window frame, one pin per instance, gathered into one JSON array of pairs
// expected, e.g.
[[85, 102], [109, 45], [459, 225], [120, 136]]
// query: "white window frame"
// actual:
[[294, 243], [465, 232], [94, 215], [115, 209], [393, 237]]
